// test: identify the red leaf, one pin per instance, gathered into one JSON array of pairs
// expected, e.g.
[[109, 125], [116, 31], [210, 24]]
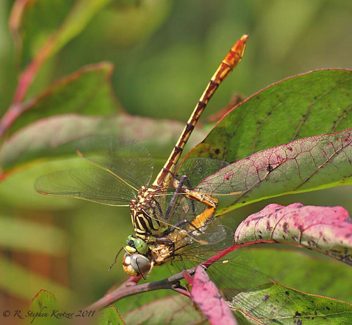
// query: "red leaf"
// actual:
[[206, 295], [324, 229]]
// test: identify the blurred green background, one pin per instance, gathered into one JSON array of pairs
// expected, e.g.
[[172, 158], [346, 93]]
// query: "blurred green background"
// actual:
[[164, 53]]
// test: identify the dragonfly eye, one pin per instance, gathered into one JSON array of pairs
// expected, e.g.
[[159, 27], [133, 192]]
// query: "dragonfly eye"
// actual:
[[141, 245], [135, 264], [134, 244], [129, 240]]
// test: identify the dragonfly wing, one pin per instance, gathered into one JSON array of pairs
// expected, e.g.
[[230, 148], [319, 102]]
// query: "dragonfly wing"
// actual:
[[128, 160], [218, 234], [197, 169], [90, 184], [216, 178], [193, 253]]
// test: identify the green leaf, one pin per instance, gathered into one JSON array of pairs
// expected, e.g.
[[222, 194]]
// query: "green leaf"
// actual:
[[18, 190], [276, 303], [128, 304], [44, 308], [305, 105], [23, 235], [111, 316], [44, 298], [170, 310], [18, 281], [247, 268], [43, 27], [55, 137], [303, 271], [86, 91], [303, 165]]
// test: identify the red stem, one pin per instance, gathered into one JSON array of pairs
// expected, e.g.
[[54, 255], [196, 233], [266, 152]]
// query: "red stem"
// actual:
[[26, 78]]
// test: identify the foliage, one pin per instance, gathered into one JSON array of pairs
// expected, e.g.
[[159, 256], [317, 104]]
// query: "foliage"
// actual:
[[293, 136]]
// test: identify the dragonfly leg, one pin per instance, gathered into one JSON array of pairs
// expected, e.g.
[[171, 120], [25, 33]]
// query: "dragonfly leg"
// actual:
[[182, 223], [115, 260], [157, 204], [179, 190], [194, 194], [203, 218], [166, 241], [199, 220], [162, 240]]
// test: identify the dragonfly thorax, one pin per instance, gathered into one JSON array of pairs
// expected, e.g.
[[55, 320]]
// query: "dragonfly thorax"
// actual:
[[145, 214]]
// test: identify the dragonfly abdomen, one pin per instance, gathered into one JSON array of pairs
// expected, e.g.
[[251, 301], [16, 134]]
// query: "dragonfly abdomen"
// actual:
[[233, 57]]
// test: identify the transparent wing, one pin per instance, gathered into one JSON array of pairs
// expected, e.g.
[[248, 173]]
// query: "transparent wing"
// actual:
[[234, 273], [128, 160], [90, 184], [185, 229], [215, 238], [197, 169], [214, 177]]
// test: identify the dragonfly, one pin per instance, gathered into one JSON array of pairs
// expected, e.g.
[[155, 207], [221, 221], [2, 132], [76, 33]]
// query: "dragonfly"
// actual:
[[170, 218]]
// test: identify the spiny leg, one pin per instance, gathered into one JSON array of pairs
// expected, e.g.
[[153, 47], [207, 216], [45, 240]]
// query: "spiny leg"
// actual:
[[179, 190], [206, 199]]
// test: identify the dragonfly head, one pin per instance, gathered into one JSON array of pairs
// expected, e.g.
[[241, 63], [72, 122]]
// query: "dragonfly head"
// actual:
[[135, 264], [135, 244], [134, 261]]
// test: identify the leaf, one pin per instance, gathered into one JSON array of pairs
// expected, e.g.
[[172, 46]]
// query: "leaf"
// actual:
[[324, 229], [12, 188], [111, 316], [317, 274], [206, 295], [86, 91], [23, 235], [130, 303], [44, 298], [300, 166], [305, 105], [43, 308], [174, 309], [54, 137], [274, 303], [304, 270], [41, 28], [20, 282]]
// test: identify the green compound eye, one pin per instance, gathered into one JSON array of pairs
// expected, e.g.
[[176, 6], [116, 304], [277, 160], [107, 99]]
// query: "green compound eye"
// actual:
[[128, 239], [141, 246]]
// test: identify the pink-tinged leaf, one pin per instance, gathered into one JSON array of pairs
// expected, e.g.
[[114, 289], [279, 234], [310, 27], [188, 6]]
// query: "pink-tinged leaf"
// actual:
[[306, 105], [54, 137], [303, 165], [63, 20], [36, 24], [207, 296], [324, 229], [86, 91], [276, 304]]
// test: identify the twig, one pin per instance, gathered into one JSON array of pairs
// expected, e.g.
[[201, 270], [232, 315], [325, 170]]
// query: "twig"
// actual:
[[130, 288]]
